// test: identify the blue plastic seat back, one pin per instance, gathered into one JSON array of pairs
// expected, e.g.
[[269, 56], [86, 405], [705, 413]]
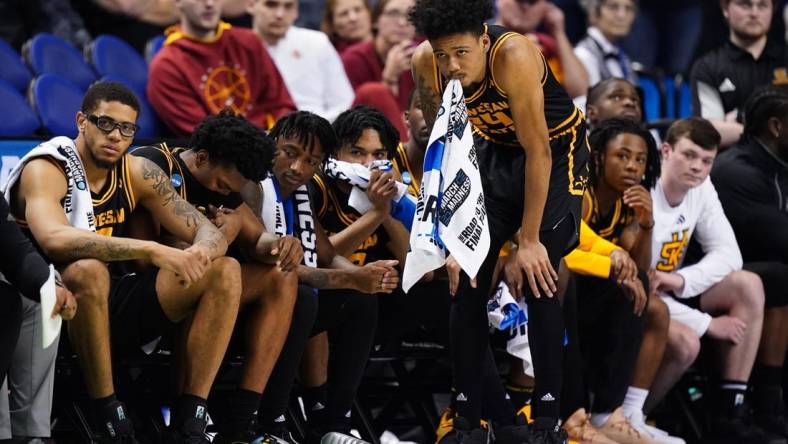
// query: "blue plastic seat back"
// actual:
[[13, 69], [112, 56], [57, 101], [669, 83], [651, 98], [49, 54], [153, 46], [148, 120], [16, 116], [685, 100]]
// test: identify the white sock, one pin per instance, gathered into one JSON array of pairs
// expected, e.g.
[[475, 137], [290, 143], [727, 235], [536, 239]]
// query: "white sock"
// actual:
[[599, 419], [634, 401]]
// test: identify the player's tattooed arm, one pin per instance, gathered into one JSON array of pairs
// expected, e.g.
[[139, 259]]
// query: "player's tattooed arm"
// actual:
[[175, 214], [423, 72], [252, 194]]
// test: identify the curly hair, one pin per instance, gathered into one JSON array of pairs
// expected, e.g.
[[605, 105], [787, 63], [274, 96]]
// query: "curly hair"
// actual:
[[763, 104], [307, 127], [608, 130], [438, 18], [231, 140], [350, 124]]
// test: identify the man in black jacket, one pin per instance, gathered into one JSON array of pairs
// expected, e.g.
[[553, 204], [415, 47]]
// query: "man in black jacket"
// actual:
[[752, 181]]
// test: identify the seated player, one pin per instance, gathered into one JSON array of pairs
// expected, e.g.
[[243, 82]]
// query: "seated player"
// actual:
[[64, 191], [712, 297], [303, 141], [350, 319]]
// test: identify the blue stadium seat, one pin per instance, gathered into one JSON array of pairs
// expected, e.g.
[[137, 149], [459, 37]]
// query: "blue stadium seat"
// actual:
[[651, 98], [685, 100], [150, 125], [112, 56], [46, 53], [12, 68], [669, 84], [153, 46], [16, 116], [57, 101]]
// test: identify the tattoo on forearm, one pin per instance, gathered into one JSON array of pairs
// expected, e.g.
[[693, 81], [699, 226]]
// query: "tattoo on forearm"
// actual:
[[252, 195], [322, 278], [209, 236], [430, 101], [106, 249], [162, 185]]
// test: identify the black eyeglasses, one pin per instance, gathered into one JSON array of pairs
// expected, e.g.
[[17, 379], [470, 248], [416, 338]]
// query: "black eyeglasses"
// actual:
[[108, 125]]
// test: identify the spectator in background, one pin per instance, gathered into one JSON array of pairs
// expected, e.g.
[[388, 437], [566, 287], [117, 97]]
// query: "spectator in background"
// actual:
[[610, 21], [347, 22], [135, 21], [310, 67], [379, 70], [525, 18], [752, 181], [665, 34], [724, 78], [207, 65]]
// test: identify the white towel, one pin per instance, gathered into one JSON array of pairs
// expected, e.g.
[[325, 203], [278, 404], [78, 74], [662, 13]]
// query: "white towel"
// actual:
[[518, 345], [78, 204], [503, 311], [450, 214], [358, 176], [292, 216]]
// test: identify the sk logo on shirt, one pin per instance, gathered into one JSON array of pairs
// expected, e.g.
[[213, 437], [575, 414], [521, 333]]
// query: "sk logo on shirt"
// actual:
[[672, 251]]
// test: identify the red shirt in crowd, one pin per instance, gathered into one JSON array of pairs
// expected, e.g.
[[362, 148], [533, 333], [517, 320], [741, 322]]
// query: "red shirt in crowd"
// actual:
[[363, 65], [192, 78]]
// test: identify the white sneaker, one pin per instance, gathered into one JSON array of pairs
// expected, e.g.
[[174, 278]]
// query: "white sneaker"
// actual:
[[638, 421]]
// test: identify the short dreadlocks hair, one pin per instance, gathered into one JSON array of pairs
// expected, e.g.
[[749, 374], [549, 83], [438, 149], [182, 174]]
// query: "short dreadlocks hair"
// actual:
[[307, 128], [231, 140], [438, 18], [610, 129], [763, 104], [350, 124]]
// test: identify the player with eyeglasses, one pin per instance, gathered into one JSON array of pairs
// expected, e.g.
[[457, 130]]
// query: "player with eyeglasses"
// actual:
[[121, 310]]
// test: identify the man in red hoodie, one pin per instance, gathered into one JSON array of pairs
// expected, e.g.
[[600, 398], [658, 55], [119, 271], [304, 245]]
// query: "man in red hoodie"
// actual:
[[207, 65]]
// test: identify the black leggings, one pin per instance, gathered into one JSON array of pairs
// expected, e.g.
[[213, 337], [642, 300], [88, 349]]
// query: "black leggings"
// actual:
[[350, 317], [610, 336], [470, 345], [277, 392], [10, 322]]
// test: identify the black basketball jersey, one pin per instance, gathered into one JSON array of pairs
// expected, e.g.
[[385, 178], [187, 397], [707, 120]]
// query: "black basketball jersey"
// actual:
[[184, 182], [113, 204], [488, 106], [611, 225], [332, 210]]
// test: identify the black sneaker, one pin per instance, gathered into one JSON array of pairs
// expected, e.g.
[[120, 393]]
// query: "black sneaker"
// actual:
[[517, 433], [547, 431], [770, 410], [117, 427], [192, 432], [739, 429], [247, 435], [462, 433]]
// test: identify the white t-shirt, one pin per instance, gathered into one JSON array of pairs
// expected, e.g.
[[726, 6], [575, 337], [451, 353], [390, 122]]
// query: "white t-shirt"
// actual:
[[313, 72], [700, 214]]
